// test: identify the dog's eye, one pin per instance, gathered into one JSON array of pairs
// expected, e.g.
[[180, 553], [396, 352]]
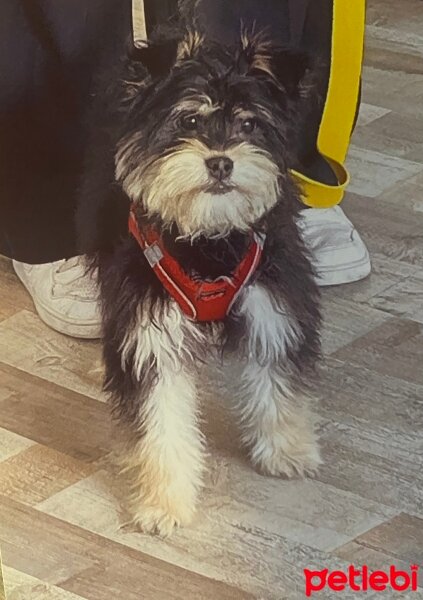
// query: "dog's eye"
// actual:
[[249, 125], [190, 123]]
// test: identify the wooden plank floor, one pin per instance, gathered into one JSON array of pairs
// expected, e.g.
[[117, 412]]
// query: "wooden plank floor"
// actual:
[[61, 528]]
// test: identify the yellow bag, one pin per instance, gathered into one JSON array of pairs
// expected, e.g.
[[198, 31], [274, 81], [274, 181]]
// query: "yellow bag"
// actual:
[[341, 103]]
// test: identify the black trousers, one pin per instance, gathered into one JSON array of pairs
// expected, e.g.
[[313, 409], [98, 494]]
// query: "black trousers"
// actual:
[[45, 79]]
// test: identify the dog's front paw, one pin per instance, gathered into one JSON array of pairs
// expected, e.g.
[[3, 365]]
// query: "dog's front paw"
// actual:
[[156, 521], [162, 521], [279, 458]]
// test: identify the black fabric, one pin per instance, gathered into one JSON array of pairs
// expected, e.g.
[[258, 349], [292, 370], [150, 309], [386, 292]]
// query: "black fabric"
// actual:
[[49, 51], [45, 89], [158, 11], [297, 16]]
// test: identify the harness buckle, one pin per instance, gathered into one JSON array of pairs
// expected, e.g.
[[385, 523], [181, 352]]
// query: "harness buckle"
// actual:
[[153, 254]]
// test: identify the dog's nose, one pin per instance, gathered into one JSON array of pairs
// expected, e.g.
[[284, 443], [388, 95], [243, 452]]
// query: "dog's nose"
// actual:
[[220, 167]]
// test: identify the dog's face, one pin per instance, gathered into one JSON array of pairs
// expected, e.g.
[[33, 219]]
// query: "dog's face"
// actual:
[[207, 135]]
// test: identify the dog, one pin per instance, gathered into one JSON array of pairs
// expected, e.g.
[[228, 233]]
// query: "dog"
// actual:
[[197, 149]]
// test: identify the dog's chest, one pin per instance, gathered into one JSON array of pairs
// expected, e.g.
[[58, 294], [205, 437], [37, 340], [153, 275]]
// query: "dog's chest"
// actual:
[[208, 259]]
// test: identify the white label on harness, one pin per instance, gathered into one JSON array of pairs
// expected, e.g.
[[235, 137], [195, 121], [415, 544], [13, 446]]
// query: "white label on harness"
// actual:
[[153, 254]]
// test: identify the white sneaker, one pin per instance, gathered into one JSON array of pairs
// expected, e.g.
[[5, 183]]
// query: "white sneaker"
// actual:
[[65, 295], [338, 253]]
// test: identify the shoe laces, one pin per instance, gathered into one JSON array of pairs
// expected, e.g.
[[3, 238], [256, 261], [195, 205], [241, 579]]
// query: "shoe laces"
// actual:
[[74, 276]]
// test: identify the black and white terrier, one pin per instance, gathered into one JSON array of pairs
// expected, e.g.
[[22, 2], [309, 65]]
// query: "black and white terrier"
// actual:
[[199, 144]]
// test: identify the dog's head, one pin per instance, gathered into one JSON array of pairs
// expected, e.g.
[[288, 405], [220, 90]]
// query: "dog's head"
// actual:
[[208, 133]]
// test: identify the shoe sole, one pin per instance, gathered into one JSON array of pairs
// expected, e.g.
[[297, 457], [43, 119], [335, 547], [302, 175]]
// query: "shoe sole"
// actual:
[[86, 331], [341, 275]]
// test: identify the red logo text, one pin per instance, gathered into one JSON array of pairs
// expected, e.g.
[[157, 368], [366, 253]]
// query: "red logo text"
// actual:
[[361, 580]]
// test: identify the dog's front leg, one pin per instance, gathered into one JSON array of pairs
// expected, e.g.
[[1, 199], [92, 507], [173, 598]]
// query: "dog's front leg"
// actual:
[[276, 424], [164, 454]]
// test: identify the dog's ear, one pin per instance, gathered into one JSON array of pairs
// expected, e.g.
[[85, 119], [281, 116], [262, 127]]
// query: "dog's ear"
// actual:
[[284, 67], [292, 69], [157, 58]]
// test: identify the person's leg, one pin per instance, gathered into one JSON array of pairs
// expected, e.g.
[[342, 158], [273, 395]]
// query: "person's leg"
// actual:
[[50, 53]]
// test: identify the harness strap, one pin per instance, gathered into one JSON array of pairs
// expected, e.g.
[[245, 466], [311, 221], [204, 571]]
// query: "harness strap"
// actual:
[[201, 300]]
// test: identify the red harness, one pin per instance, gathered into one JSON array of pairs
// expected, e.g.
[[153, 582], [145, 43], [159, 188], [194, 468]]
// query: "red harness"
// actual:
[[200, 300]]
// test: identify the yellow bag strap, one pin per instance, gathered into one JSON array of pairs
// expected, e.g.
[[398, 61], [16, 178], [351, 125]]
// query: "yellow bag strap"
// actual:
[[341, 102]]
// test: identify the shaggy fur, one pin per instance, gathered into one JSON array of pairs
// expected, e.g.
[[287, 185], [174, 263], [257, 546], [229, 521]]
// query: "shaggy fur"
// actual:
[[181, 104]]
